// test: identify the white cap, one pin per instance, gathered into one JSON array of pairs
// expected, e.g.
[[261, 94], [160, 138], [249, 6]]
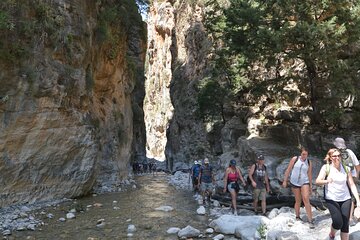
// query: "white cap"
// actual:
[[339, 143]]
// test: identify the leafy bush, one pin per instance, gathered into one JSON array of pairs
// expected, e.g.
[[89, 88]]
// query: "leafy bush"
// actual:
[[211, 99]]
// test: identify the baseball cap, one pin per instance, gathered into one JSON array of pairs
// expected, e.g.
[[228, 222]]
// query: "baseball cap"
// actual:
[[339, 143], [260, 157], [232, 162]]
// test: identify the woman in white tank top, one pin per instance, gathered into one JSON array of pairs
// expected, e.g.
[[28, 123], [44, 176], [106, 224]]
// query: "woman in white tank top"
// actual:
[[338, 183], [300, 171]]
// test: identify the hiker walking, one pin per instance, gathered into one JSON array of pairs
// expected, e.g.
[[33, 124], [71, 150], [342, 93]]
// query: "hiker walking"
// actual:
[[350, 160], [194, 175], [260, 182], [232, 176], [339, 185], [300, 171], [207, 180]]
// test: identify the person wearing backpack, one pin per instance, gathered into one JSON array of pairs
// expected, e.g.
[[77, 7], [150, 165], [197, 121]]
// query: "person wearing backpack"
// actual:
[[207, 180], [231, 178], [350, 160], [300, 172], [194, 175], [339, 185], [260, 182]]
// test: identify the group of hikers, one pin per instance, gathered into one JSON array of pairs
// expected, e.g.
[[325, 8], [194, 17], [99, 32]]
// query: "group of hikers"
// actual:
[[144, 167], [338, 175]]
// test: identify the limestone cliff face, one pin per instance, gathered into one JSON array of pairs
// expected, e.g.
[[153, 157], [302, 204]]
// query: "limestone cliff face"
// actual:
[[177, 60], [71, 96], [158, 108]]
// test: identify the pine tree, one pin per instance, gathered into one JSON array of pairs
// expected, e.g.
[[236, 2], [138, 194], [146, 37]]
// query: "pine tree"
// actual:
[[323, 35]]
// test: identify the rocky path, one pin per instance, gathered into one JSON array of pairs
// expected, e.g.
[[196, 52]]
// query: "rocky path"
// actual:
[[153, 209]]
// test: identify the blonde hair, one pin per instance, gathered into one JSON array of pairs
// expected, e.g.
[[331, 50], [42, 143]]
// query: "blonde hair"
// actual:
[[330, 153]]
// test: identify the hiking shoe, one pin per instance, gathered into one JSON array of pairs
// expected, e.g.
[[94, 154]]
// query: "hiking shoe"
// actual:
[[311, 224], [298, 218]]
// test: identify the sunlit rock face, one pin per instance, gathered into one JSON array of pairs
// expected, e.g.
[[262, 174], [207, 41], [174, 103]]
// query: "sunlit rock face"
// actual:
[[177, 60], [158, 108], [71, 112]]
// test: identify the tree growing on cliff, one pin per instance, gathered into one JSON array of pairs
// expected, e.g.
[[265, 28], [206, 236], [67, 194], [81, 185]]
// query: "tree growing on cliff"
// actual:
[[211, 100], [323, 36]]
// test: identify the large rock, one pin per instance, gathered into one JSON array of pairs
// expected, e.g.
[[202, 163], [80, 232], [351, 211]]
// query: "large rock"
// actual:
[[244, 225], [354, 235], [72, 100], [188, 232]]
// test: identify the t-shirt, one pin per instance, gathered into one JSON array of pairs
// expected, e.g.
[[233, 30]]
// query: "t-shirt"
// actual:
[[259, 176], [337, 190], [206, 174], [350, 160]]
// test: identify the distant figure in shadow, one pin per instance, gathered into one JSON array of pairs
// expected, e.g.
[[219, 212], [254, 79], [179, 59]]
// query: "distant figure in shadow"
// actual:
[[194, 175], [339, 185], [300, 171], [231, 178]]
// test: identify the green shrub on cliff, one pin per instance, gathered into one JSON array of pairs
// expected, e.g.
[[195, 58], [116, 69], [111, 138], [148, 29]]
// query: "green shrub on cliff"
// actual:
[[210, 100], [116, 20]]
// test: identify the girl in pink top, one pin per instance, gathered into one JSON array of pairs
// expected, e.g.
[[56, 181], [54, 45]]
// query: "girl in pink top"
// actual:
[[232, 175]]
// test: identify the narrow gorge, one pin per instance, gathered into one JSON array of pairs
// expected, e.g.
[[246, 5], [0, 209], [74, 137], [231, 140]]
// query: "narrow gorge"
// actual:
[[89, 87]]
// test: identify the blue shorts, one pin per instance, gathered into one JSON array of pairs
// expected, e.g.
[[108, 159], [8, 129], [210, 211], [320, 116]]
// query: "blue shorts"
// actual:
[[206, 186]]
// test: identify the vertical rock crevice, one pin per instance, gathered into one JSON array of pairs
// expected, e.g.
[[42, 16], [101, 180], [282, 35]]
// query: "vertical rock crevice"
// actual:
[[177, 60]]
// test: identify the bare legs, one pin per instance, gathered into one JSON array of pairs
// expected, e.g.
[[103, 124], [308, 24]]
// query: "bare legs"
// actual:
[[233, 200], [302, 194]]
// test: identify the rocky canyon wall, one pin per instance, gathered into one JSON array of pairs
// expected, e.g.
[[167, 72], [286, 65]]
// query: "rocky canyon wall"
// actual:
[[71, 92], [177, 60]]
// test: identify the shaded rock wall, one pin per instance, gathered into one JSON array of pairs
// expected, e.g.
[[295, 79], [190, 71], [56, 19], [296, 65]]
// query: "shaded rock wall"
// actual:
[[71, 109]]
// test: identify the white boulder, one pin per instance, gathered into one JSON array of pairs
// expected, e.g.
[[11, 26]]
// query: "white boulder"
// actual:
[[173, 230], [188, 232], [201, 210]]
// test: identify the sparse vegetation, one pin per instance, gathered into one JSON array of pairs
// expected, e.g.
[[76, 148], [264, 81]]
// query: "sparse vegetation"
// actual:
[[262, 229]]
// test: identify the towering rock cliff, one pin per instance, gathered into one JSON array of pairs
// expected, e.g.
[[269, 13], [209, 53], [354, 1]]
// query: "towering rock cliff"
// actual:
[[71, 96], [177, 61], [180, 60]]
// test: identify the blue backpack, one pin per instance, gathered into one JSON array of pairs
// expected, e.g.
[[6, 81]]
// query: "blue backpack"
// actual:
[[196, 170]]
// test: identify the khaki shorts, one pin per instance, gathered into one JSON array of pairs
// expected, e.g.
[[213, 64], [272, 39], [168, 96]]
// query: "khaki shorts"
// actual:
[[260, 194]]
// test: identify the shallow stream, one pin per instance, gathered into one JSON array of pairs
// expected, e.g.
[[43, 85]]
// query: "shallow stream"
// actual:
[[117, 209]]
